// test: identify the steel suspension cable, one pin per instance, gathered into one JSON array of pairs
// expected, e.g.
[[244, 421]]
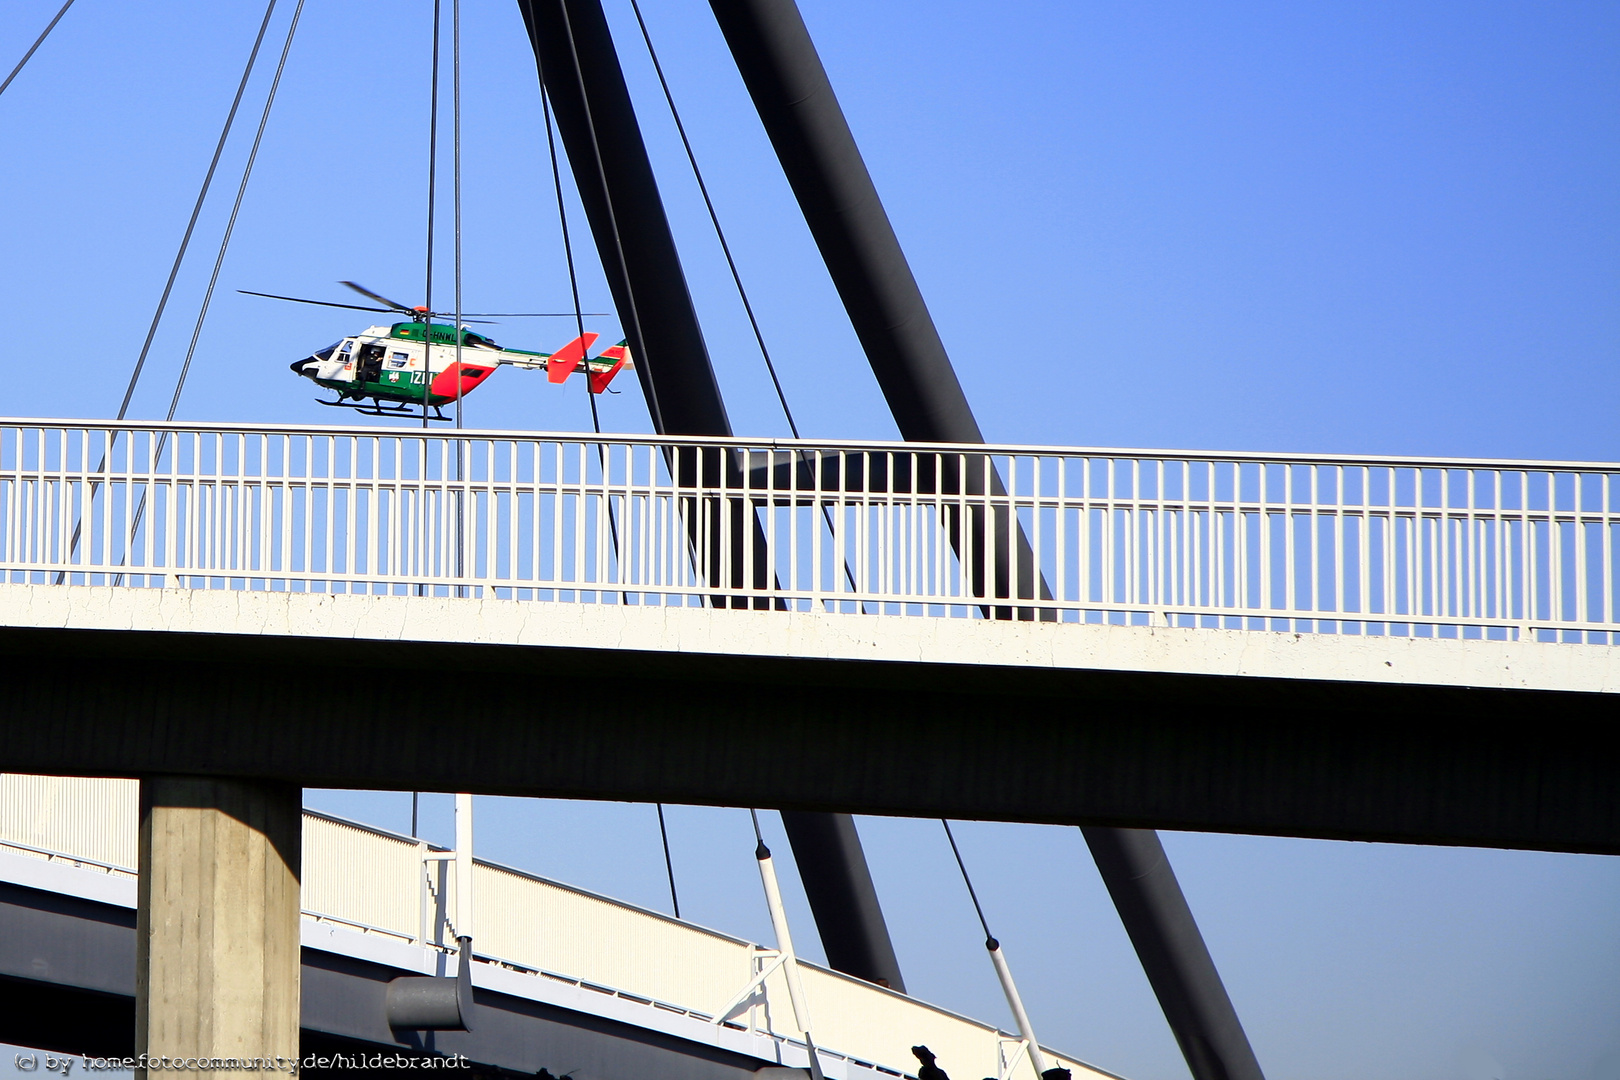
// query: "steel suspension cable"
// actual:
[[714, 218], [759, 837], [185, 241], [972, 895], [669, 864], [179, 256], [731, 263], [427, 301], [37, 43], [427, 381], [579, 323], [568, 247], [455, 110], [607, 199], [433, 173], [236, 208], [219, 260], [998, 960]]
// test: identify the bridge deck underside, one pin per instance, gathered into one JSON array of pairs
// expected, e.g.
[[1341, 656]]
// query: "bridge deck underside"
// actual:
[[1305, 755]]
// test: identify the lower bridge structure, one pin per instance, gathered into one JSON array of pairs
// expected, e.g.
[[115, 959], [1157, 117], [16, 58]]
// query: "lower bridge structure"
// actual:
[[1410, 650], [564, 979]]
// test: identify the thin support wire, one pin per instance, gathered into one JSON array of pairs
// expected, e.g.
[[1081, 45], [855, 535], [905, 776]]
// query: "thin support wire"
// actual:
[[236, 208], [759, 838], [989, 938], [573, 286], [669, 863], [37, 43], [607, 199], [179, 257], [731, 263], [455, 97], [185, 241], [714, 218], [568, 247], [427, 381], [427, 300], [219, 259], [433, 175]]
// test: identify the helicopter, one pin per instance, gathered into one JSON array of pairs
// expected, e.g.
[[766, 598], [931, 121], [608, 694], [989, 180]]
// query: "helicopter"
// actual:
[[413, 364]]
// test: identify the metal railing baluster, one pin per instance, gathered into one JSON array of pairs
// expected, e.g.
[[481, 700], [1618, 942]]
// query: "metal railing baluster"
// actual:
[[1417, 546]]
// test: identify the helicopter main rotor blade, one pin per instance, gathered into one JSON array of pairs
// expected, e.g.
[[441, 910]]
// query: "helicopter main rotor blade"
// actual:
[[525, 314], [394, 305], [301, 300], [467, 316]]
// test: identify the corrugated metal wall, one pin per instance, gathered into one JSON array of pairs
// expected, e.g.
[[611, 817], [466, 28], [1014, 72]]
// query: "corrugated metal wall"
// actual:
[[362, 876], [540, 924], [89, 819], [372, 878]]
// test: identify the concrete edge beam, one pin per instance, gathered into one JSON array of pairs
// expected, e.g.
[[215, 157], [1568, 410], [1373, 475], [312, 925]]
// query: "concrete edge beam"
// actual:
[[1516, 665]]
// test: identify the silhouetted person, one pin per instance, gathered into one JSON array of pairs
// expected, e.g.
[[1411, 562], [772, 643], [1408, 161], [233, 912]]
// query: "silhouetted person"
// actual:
[[929, 1070]]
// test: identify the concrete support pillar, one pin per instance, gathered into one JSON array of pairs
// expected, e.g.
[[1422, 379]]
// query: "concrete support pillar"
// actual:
[[217, 938]]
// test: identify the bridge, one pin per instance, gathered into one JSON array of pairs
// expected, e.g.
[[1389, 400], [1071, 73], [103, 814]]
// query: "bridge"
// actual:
[[1296, 645], [1417, 650], [574, 966], [1362, 637]]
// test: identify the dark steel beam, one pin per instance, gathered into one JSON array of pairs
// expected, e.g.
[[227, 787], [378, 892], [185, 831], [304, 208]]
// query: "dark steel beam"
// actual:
[[802, 117], [842, 897], [807, 127], [579, 67], [1173, 953]]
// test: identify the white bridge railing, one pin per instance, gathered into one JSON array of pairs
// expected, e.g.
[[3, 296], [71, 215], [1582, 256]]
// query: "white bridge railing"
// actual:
[[1514, 549]]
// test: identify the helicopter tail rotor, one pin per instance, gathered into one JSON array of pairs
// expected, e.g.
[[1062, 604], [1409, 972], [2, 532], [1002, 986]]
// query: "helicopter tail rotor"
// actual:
[[620, 355]]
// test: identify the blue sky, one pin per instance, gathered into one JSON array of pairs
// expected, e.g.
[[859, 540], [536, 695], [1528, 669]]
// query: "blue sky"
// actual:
[[1352, 227]]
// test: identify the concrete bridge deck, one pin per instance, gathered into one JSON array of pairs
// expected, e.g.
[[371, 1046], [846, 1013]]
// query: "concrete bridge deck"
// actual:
[[1432, 740]]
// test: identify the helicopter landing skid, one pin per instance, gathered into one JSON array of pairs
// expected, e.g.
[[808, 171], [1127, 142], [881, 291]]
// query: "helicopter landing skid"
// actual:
[[377, 410]]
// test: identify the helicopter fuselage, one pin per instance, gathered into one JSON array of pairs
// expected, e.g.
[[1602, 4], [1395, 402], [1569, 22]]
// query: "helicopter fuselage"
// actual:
[[417, 363], [399, 363]]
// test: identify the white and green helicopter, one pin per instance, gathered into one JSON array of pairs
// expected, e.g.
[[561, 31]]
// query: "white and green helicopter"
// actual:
[[393, 370]]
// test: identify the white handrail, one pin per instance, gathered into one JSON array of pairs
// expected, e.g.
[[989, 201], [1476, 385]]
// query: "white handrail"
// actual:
[[1337, 543]]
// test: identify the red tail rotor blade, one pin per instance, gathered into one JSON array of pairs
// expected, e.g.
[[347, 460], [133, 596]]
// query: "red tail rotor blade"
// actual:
[[600, 379]]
